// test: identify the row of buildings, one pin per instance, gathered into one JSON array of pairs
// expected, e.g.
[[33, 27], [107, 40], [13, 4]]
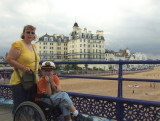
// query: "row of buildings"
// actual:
[[81, 45]]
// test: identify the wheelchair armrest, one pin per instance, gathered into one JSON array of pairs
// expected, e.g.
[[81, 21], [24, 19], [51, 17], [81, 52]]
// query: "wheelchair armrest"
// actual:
[[42, 96]]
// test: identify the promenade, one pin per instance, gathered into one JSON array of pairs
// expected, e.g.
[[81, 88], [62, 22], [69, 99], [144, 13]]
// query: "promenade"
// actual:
[[5, 113]]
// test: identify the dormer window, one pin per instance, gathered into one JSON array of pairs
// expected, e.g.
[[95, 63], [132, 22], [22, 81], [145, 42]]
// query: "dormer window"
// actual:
[[59, 40], [51, 39], [94, 37], [45, 38], [77, 36]]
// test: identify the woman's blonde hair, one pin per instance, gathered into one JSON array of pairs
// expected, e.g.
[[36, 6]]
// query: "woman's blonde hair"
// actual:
[[28, 27]]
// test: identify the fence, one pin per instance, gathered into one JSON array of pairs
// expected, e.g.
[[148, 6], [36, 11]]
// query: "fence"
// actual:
[[116, 108]]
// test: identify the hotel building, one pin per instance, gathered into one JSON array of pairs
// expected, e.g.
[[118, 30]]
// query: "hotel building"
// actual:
[[79, 46]]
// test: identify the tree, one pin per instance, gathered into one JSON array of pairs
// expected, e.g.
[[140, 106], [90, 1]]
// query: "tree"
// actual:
[[86, 67]]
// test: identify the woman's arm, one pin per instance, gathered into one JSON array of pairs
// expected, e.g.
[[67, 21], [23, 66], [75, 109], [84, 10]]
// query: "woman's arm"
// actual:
[[13, 56]]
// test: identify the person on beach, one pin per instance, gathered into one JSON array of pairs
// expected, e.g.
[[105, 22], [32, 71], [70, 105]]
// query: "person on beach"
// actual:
[[22, 57], [49, 84]]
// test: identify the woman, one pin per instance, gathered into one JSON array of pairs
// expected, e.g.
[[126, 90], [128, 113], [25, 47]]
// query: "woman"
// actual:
[[22, 57]]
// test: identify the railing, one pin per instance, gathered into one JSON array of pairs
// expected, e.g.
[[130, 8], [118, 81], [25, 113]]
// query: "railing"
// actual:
[[117, 108]]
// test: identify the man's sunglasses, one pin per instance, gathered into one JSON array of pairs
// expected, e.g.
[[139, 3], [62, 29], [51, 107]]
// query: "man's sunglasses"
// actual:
[[30, 32]]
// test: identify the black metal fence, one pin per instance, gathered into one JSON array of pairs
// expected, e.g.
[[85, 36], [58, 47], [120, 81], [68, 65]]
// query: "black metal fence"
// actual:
[[117, 108]]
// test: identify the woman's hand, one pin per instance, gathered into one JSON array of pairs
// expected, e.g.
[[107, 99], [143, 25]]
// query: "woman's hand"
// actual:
[[26, 69]]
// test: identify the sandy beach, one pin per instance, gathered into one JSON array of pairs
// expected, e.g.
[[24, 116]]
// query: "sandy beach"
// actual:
[[142, 90]]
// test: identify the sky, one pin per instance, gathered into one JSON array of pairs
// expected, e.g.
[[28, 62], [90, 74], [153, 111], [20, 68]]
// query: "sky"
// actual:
[[132, 24]]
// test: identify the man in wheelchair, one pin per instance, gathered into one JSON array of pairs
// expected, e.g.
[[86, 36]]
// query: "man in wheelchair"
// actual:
[[49, 84]]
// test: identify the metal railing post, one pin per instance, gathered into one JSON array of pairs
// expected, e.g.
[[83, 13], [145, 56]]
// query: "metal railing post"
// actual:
[[119, 106], [120, 80]]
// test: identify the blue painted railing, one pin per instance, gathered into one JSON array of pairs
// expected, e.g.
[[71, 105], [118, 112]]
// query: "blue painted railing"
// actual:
[[117, 108]]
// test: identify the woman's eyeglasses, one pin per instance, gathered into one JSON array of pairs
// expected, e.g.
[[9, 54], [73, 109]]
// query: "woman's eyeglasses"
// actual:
[[30, 32]]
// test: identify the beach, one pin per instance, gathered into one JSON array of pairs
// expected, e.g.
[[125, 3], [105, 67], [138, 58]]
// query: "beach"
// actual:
[[131, 89]]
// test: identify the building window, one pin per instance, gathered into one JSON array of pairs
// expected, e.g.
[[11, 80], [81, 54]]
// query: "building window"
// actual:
[[44, 43], [94, 37], [45, 38], [58, 48], [51, 39], [44, 47], [77, 36], [59, 40]]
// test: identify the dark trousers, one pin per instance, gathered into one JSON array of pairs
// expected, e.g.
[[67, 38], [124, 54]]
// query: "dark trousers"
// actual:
[[19, 95]]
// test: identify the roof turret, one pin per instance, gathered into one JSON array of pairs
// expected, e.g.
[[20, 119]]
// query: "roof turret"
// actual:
[[75, 24]]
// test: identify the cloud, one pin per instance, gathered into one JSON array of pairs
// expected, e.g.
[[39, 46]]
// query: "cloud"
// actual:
[[126, 23]]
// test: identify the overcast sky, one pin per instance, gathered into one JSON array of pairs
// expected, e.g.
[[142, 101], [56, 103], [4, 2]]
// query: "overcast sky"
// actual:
[[133, 24]]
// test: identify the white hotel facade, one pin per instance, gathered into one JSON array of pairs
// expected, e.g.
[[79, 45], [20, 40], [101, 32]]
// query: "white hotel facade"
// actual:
[[79, 46], [82, 46]]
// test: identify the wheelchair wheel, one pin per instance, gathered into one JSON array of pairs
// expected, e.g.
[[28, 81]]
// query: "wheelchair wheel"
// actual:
[[29, 111]]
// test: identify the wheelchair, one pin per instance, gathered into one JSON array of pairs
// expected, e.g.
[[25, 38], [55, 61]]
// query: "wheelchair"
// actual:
[[32, 110]]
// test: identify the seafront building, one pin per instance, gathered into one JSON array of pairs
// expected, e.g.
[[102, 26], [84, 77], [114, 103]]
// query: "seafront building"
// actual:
[[79, 46], [125, 54], [83, 46], [53, 47]]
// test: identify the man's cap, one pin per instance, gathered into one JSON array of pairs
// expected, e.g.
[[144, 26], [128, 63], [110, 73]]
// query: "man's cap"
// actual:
[[48, 65]]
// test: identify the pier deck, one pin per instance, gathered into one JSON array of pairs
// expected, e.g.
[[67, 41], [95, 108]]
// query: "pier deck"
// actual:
[[5, 113]]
